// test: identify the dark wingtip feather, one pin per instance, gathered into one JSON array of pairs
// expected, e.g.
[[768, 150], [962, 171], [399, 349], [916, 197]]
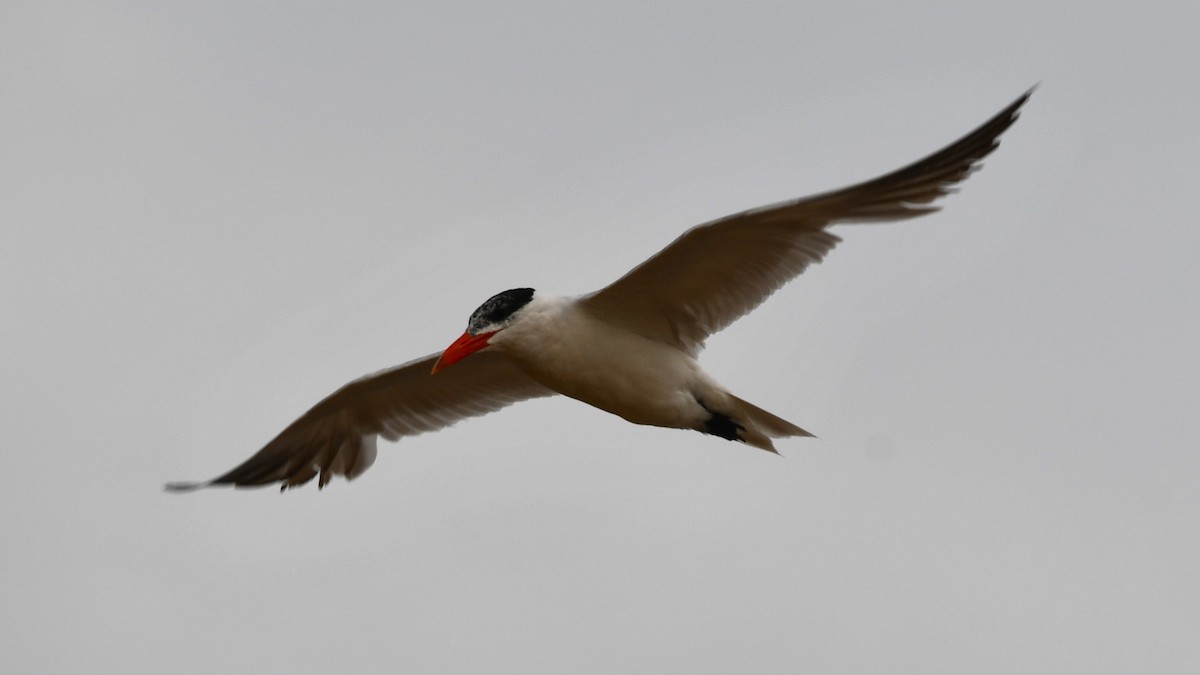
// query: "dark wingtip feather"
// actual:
[[909, 191], [185, 487]]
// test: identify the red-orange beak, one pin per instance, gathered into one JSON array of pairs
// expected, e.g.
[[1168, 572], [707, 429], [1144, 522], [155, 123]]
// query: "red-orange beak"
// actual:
[[462, 348]]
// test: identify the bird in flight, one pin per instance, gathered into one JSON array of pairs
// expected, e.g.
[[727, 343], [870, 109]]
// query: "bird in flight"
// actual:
[[629, 348]]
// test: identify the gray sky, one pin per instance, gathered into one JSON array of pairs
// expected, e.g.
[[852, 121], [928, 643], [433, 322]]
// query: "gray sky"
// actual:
[[214, 214]]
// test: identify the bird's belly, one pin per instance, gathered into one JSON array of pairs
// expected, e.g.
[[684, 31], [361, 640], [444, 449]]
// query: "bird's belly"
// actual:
[[641, 380]]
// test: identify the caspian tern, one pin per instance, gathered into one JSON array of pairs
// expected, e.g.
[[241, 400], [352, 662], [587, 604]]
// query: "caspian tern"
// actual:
[[629, 348]]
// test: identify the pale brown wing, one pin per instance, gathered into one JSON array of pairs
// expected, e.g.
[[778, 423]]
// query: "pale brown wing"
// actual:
[[715, 273], [337, 436]]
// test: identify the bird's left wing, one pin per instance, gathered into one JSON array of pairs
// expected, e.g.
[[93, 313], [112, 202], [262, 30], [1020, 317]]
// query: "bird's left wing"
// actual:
[[337, 436], [717, 272]]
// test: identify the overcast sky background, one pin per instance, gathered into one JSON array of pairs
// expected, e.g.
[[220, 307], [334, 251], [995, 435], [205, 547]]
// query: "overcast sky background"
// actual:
[[214, 214]]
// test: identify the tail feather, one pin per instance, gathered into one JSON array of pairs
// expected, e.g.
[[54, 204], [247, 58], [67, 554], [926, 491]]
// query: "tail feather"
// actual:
[[761, 426]]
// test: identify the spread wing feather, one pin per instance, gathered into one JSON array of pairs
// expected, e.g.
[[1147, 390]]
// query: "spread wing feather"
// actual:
[[715, 273], [337, 436]]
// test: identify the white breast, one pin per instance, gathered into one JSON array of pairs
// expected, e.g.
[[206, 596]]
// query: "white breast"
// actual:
[[569, 350]]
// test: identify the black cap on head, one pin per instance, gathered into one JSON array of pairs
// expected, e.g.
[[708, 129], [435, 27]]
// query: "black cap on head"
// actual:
[[498, 309]]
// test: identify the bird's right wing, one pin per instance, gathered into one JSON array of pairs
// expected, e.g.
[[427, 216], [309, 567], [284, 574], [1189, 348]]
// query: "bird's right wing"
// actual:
[[337, 436], [717, 272]]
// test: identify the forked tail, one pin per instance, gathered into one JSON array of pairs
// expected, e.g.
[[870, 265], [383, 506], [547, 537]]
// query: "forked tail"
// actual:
[[750, 424]]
